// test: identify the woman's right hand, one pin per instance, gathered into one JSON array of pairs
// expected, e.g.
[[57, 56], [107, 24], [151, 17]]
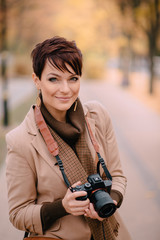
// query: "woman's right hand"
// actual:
[[73, 206]]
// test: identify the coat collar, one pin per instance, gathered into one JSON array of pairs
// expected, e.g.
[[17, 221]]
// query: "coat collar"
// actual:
[[39, 144], [33, 130]]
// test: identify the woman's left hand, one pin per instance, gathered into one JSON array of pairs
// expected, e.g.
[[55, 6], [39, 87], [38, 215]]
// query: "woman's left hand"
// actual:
[[90, 212]]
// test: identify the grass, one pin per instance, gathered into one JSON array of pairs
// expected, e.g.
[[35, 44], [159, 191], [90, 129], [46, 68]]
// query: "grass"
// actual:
[[16, 116]]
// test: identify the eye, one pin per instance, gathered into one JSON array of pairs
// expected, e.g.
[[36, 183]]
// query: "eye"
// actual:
[[53, 79], [74, 79]]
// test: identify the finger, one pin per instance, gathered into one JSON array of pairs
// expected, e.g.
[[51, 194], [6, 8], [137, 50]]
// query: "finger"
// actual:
[[115, 202], [92, 213], [91, 208], [78, 203], [87, 212], [73, 205], [79, 209], [76, 184], [79, 194]]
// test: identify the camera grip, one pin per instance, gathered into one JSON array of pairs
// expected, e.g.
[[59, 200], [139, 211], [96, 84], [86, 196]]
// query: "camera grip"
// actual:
[[77, 189], [82, 198]]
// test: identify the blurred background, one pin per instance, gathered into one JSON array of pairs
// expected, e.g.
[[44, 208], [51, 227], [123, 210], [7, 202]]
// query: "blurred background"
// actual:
[[120, 42]]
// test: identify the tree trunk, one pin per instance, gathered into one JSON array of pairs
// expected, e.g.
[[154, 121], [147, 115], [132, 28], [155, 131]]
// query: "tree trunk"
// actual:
[[4, 62], [126, 62], [153, 39]]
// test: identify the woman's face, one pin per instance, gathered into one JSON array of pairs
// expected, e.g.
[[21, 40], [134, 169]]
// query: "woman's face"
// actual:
[[59, 89]]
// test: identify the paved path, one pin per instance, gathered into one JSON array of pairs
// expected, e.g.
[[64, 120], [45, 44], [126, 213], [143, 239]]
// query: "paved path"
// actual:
[[7, 231], [18, 89], [138, 134]]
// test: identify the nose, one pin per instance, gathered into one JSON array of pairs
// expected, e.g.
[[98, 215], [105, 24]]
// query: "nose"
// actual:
[[64, 87]]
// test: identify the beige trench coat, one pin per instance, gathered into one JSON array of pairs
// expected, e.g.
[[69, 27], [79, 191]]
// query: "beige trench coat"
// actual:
[[33, 178]]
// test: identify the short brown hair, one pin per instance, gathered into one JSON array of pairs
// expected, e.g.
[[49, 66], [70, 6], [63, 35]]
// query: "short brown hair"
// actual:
[[59, 52]]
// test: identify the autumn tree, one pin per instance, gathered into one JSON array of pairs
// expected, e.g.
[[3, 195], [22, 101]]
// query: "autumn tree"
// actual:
[[146, 17], [5, 7]]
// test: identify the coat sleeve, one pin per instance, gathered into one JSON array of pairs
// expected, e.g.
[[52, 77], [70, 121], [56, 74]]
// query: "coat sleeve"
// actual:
[[107, 140], [24, 213], [119, 181]]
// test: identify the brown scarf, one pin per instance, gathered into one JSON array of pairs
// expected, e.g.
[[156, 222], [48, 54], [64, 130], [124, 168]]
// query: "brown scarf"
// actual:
[[78, 164]]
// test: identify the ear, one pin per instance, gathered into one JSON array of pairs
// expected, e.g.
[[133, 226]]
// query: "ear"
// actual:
[[36, 80]]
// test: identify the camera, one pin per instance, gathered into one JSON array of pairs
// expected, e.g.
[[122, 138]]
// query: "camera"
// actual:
[[98, 193]]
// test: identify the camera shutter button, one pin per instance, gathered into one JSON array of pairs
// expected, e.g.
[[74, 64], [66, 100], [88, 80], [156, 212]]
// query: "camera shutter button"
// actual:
[[87, 185]]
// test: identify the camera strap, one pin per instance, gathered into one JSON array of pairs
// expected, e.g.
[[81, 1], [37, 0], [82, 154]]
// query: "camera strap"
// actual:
[[96, 147], [53, 146], [50, 142]]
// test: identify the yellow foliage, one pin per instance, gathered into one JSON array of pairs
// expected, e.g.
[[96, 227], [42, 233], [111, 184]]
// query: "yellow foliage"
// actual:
[[96, 26]]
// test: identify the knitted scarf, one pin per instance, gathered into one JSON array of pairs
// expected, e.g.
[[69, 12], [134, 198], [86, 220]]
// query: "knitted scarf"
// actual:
[[78, 162]]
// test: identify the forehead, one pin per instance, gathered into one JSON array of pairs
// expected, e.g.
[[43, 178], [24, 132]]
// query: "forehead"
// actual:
[[49, 67]]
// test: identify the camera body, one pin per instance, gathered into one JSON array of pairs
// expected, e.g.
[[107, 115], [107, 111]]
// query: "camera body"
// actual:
[[98, 191]]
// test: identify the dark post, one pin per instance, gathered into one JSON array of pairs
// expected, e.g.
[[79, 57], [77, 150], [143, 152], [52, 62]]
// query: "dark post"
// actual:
[[4, 61]]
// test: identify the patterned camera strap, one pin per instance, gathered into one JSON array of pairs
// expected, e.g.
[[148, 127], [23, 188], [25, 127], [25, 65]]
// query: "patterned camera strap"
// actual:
[[77, 168]]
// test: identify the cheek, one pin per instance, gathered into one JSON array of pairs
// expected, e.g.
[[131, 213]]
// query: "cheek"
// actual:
[[44, 92], [48, 91], [76, 89]]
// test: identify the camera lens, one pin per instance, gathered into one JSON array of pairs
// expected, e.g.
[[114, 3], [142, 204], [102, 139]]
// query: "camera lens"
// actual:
[[103, 203], [107, 210]]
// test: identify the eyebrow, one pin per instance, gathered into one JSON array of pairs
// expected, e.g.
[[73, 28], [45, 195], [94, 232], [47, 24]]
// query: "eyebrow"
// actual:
[[54, 74]]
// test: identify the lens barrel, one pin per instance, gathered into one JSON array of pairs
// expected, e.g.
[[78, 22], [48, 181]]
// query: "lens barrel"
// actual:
[[103, 203]]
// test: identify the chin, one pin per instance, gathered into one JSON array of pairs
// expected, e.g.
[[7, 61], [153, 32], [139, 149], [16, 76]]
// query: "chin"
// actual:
[[65, 108]]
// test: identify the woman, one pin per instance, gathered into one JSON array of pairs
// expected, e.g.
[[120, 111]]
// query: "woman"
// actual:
[[40, 201]]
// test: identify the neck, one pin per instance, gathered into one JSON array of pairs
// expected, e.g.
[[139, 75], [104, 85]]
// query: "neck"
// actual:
[[58, 115], [74, 124]]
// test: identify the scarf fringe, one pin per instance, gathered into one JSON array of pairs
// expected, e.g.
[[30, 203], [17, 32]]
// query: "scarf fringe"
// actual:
[[115, 231]]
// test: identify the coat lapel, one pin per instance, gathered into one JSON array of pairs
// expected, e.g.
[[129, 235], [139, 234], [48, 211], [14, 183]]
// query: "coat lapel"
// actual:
[[38, 142], [40, 146]]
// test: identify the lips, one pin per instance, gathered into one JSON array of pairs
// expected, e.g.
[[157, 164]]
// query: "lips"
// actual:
[[64, 99]]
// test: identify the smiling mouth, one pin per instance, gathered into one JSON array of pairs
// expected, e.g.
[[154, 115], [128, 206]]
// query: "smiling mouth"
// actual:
[[64, 99]]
